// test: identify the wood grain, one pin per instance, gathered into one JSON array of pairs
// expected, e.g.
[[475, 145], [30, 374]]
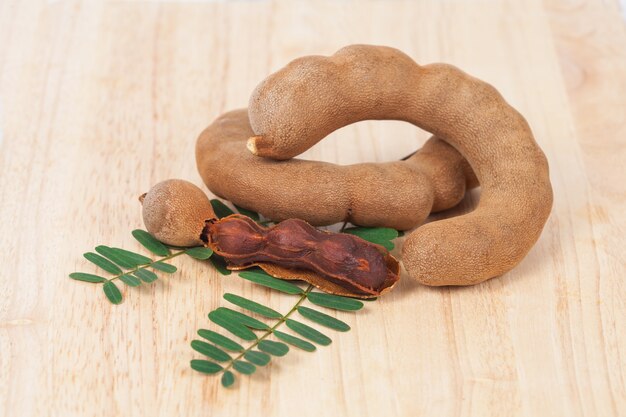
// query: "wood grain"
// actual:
[[100, 100]]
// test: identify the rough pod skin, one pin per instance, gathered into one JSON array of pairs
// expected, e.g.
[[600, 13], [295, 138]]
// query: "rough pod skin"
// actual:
[[174, 212], [398, 194], [299, 105]]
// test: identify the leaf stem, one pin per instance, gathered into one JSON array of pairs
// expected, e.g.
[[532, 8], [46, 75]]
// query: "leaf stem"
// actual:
[[137, 268], [271, 329]]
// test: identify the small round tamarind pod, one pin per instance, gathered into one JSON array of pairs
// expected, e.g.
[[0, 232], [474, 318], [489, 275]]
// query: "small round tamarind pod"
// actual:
[[397, 194], [299, 105], [174, 211]]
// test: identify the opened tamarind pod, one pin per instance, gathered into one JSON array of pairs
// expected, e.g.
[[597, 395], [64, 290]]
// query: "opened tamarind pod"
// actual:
[[337, 263], [397, 194], [299, 105]]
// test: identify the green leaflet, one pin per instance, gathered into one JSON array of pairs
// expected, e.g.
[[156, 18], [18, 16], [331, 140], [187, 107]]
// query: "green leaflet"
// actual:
[[244, 367], [380, 235], [209, 350], [273, 348], [163, 267], [133, 257], [206, 367], [308, 332], [220, 264], [295, 341], [221, 209], [232, 325], [146, 275], [264, 279], [199, 252], [241, 318], [252, 306], [220, 340], [130, 280], [334, 301], [83, 276], [150, 242], [112, 292], [257, 358], [115, 257], [252, 214], [228, 379], [103, 263], [323, 319]]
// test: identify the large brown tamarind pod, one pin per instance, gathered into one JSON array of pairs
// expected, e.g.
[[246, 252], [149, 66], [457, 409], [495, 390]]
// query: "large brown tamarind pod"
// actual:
[[397, 194], [299, 105]]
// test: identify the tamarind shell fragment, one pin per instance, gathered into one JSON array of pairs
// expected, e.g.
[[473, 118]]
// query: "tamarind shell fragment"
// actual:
[[336, 263]]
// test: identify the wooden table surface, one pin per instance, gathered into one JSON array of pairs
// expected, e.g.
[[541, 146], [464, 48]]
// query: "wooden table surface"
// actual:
[[100, 100]]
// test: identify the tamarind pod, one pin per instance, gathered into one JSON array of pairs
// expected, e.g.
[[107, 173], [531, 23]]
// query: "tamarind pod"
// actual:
[[340, 263], [397, 194], [299, 105]]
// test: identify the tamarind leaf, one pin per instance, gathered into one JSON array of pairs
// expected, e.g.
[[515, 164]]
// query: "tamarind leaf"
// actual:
[[130, 280], [245, 368], [112, 292], [232, 325], [206, 367], [146, 275], [199, 252], [102, 262], [220, 340], [294, 341], [114, 256], [150, 242], [136, 258], [334, 301], [379, 235], [257, 358], [219, 263], [85, 277], [264, 279], [209, 350], [228, 379], [252, 306], [163, 267], [323, 319], [252, 214], [243, 319], [220, 209], [273, 348], [308, 332]]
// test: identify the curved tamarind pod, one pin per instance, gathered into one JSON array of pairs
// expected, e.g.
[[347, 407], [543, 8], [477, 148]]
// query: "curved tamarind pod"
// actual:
[[397, 194], [337, 263], [311, 97]]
